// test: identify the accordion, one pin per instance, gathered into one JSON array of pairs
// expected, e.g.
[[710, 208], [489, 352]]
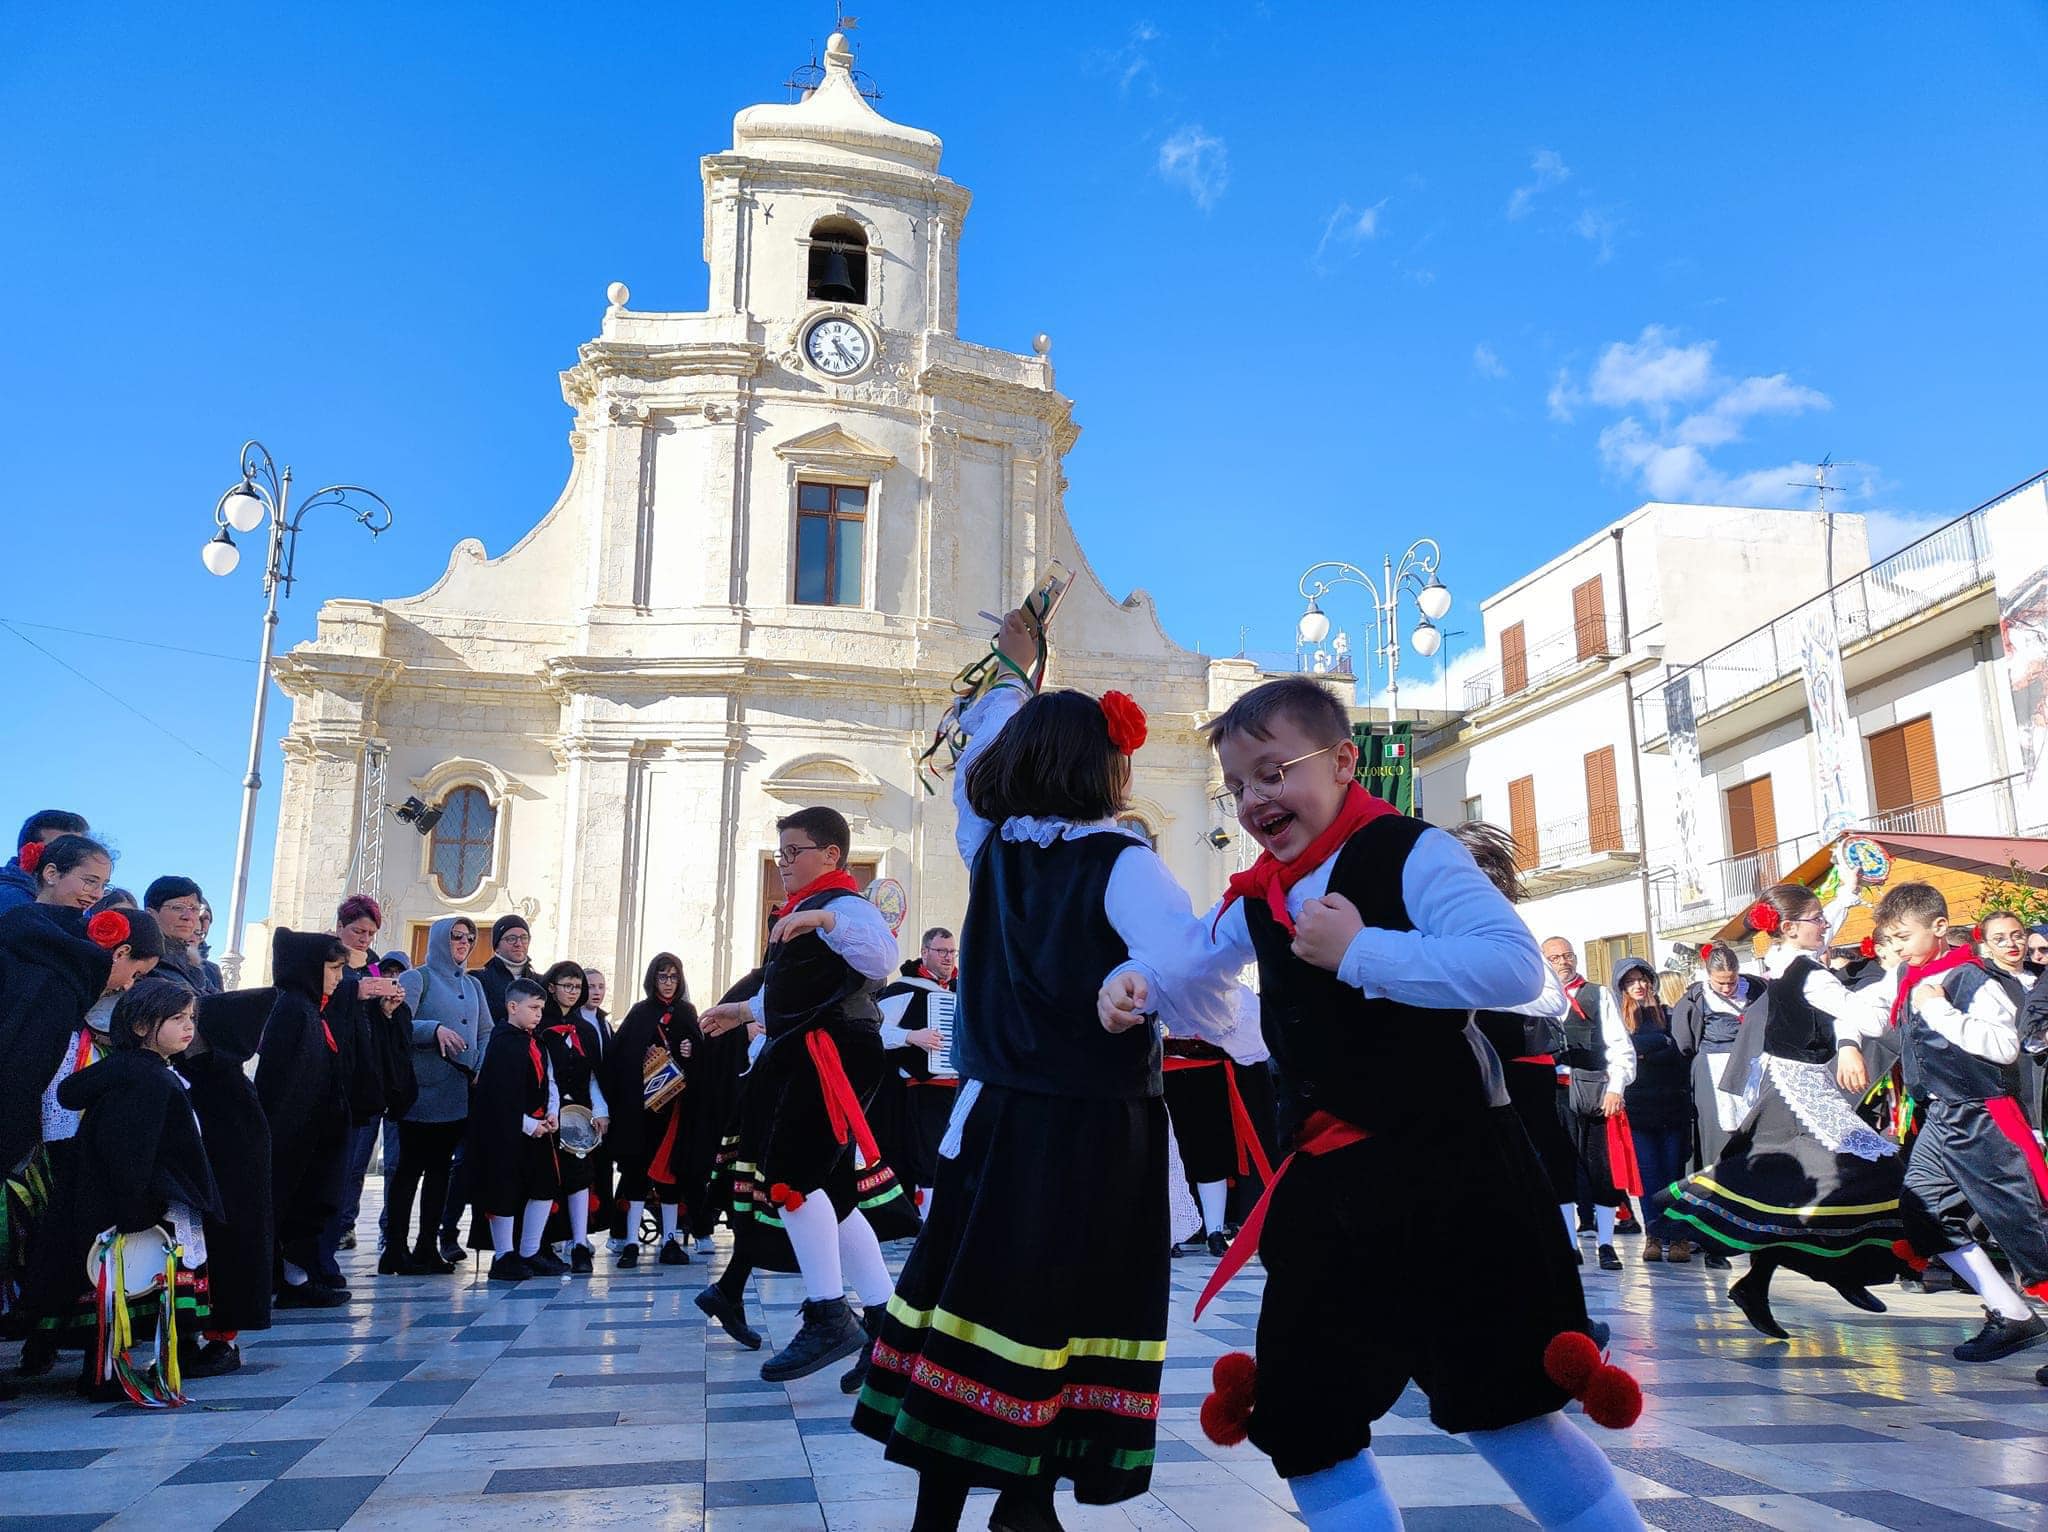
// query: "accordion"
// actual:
[[661, 1080]]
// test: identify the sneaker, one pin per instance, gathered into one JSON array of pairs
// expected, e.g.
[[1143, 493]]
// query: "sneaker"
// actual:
[[1653, 1249], [1601, 1332], [629, 1256], [347, 1241], [213, 1360], [1174, 1252], [829, 1334], [1219, 1245], [1716, 1261], [582, 1260], [1609, 1261], [452, 1251], [545, 1263], [305, 1295], [1626, 1222], [673, 1253], [731, 1315], [509, 1268], [870, 1321], [1754, 1299], [2002, 1337]]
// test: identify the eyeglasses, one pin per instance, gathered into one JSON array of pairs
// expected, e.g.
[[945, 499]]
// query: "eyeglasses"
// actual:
[[1266, 783], [2037, 949], [1801, 920], [457, 939], [789, 854], [568, 984]]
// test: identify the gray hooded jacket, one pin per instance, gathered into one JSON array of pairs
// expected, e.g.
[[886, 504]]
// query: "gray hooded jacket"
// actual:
[[442, 995]]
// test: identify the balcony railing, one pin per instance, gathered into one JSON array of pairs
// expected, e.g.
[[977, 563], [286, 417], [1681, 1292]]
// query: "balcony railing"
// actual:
[[1984, 810], [1563, 844], [1557, 654], [1942, 565]]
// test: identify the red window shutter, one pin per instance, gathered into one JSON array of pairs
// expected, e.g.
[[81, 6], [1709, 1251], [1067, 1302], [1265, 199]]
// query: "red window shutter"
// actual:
[[1514, 660], [1589, 618], [1603, 801], [1522, 822]]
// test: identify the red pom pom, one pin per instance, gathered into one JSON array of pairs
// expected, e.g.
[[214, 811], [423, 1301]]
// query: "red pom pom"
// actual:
[[108, 929], [30, 856], [1126, 722], [1570, 1360], [1868, 946], [1222, 1422], [1236, 1376], [1904, 1250], [1763, 918], [1613, 1399], [785, 1196]]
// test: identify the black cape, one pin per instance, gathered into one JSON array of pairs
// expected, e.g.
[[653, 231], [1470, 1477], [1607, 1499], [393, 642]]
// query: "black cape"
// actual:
[[241, 1241], [498, 1149], [50, 976], [307, 1061]]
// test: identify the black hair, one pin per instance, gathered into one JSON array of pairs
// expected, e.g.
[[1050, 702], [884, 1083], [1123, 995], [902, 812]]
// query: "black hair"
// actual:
[[1311, 705], [1054, 760], [827, 827], [170, 886], [63, 821], [525, 989], [1911, 900], [67, 851], [112, 899], [1790, 900], [148, 1003], [1721, 958], [659, 961], [336, 951], [1496, 853], [565, 970], [934, 934], [145, 936]]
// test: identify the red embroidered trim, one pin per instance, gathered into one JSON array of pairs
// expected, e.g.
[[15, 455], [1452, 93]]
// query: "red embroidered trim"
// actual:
[[984, 1400]]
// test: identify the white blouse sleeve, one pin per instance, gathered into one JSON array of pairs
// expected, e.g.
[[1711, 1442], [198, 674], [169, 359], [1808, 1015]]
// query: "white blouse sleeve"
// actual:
[[1621, 1048], [1193, 995]]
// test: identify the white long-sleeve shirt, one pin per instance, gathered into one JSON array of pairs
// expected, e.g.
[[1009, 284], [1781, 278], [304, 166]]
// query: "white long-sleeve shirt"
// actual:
[[1989, 1028], [1143, 903], [536, 1127], [1621, 1048]]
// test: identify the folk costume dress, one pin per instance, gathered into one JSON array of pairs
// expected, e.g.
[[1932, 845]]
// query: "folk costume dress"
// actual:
[[653, 1151], [1804, 1180], [305, 1066], [803, 1104], [241, 1240], [914, 1102], [1974, 1151], [1529, 1040], [1026, 1337], [1407, 1154]]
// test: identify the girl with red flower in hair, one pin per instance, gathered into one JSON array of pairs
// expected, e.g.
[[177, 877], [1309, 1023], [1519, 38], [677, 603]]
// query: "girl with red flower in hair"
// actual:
[[18, 875], [1804, 1182], [1025, 1341]]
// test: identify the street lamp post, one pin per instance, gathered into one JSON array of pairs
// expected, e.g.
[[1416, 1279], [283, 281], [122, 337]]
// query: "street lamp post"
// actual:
[[1416, 574], [264, 496]]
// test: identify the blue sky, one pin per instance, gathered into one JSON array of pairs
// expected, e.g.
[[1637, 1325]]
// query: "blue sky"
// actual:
[[1320, 279]]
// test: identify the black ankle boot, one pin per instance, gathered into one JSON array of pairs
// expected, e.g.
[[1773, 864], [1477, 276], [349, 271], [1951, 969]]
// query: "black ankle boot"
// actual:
[[1025, 1510], [829, 1334], [857, 1374]]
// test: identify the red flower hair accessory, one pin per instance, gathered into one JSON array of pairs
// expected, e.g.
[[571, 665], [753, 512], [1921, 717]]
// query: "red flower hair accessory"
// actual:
[[1976, 935], [1126, 722], [1763, 918], [1868, 946], [108, 929], [30, 856], [1706, 951]]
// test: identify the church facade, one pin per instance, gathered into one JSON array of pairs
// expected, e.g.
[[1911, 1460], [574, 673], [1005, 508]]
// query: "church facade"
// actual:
[[782, 519]]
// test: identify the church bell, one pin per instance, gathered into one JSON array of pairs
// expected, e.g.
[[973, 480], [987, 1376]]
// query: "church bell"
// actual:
[[835, 279]]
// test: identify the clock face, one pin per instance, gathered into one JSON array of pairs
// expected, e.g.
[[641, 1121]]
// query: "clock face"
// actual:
[[836, 347]]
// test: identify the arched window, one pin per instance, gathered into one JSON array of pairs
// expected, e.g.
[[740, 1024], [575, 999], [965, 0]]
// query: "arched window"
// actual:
[[464, 841], [839, 262]]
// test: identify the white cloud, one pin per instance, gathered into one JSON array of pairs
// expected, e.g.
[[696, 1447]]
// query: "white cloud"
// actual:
[[1130, 63], [1676, 409], [1598, 227], [1488, 362], [1549, 170], [1344, 231], [1198, 162]]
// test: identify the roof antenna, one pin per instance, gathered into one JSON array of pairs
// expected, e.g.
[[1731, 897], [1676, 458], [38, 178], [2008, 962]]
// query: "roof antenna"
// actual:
[[1821, 490]]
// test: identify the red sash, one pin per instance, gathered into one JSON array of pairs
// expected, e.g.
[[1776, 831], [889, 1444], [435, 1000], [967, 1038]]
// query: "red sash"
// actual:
[[325, 1030], [1622, 1168], [1243, 1130], [842, 1106], [1321, 1134]]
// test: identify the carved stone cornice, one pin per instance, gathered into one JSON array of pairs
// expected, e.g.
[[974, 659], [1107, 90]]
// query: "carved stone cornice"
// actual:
[[604, 359], [946, 381], [306, 670], [726, 174]]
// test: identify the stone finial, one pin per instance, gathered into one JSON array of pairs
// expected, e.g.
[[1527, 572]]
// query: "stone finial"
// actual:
[[618, 294], [1042, 343], [838, 54]]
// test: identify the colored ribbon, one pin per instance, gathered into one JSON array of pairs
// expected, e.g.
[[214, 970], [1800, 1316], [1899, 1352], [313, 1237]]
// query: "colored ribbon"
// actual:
[[842, 1106], [1321, 1134], [2011, 1118], [1622, 1168], [1243, 1131]]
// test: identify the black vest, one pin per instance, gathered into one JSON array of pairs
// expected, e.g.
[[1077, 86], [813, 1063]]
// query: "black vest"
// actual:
[[1796, 1028], [1380, 1065], [1935, 1068], [1036, 946], [805, 983], [1585, 1046], [573, 1067]]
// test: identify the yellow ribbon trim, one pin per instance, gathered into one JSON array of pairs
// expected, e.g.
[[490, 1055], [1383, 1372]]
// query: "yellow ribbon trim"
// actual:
[[1016, 1351], [1807, 1212]]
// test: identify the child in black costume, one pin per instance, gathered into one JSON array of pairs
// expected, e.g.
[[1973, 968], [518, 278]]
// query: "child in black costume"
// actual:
[[302, 1078], [575, 1051], [513, 1116], [654, 1149]]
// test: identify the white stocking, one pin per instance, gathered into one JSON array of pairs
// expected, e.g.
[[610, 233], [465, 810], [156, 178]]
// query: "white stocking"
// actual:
[[667, 1211], [501, 1236], [532, 1224], [1571, 1223], [814, 1235], [1603, 1220], [1213, 1195], [635, 1211], [1971, 1264], [578, 1209], [860, 1259]]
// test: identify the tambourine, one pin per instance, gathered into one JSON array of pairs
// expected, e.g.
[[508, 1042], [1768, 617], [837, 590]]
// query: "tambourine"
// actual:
[[144, 1255], [578, 1130]]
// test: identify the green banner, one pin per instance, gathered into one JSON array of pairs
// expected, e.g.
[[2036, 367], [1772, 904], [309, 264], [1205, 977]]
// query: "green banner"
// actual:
[[1386, 762]]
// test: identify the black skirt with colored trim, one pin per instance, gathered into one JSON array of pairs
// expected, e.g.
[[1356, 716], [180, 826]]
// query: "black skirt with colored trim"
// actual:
[[1028, 1331]]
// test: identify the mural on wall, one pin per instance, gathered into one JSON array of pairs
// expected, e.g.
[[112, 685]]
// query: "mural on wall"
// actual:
[[2018, 525], [1834, 730], [1683, 733]]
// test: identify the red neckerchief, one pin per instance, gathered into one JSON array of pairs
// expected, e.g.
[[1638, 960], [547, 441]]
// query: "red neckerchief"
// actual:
[[1269, 878], [568, 1033], [1955, 957], [325, 1030], [926, 974], [838, 877], [1571, 995]]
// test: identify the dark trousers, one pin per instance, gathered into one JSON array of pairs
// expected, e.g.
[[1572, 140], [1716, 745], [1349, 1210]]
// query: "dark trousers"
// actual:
[[361, 1144], [1962, 1164], [1661, 1153], [425, 1150], [457, 1198]]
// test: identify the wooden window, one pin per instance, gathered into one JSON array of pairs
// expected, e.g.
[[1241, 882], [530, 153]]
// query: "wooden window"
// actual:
[[464, 842], [864, 873], [1753, 827], [1604, 954], [1514, 660], [1522, 821], [1474, 809], [1904, 775], [1603, 802], [416, 943], [831, 533], [1589, 619]]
